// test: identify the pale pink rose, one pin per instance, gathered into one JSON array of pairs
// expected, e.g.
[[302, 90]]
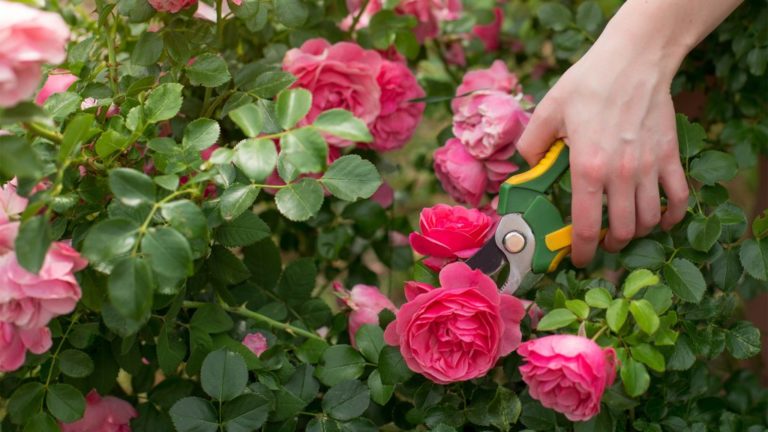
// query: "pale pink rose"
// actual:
[[489, 124], [90, 102], [459, 331], [496, 77], [430, 13], [384, 195], [449, 233], [207, 12], [30, 300], [462, 176], [366, 303], [256, 342], [399, 117], [489, 33], [568, 373], [11, 203], [171, 6], [353, 6], [107, 414], [57, 82], [342, 75], [15, 342], [534, 312], [28, 39]]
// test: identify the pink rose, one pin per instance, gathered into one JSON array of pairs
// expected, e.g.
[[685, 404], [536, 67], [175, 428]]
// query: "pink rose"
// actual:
[[11, 203], [171, 6], [489, 33], [450, 233], [256, 342], [568, 373], [454, 54], [353, 6], [342, 75], [459, 331], [28, 39], [366, 303], [534, 312], [57, 82], [414, 289], [399, 117], [15, 342], [430, 13], [384, 195], [496, 77], [489, 123], [107, 414]]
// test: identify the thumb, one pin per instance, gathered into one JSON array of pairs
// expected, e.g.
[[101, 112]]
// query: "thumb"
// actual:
[[538, 136]]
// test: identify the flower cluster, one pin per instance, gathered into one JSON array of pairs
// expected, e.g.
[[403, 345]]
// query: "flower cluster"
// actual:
[[428, 13], [488, 121], [29, 301], [376, 90]]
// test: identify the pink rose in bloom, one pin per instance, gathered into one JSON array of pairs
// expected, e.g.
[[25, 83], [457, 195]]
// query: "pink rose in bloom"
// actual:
[[15, 342], [414, 289], [57, 82], [366, 303], [489, 123], [568, 373], [461, 175], [28, 39], [342, 75], [489, 33], [171, 6], [430, 13], [449, 233], [256, 342], [107, 414], [11, 203], [496, 77], [459, 331], [398, 117]]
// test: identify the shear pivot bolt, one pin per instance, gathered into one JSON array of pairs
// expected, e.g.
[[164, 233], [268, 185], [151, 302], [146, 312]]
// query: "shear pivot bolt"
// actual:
[[514, 242]]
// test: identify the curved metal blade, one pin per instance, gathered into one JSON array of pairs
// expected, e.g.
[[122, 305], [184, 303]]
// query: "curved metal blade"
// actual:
[[488, 259], [520, 262]]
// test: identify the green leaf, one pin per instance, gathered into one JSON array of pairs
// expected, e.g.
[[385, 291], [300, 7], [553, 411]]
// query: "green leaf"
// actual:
[[108, 240], [193, 414], [685, 279], [300, 201], [578, 307], [41, 422], [26, 401], [188, 219], [291, 13], [301, 151], [555, 319], [660, 296], [224, 375], [131, 187], [703, 232], [170, 257], [638, 280], [690, 136], [649, 356], [554, 15], [760, 225], [76, 133], [61, 105], [714, 166], [269, 84], [380, 393], [644, 253], [292, 105], [201, 134], [243, 231], [499, 409], [226, 268], [598, 298], [32, 243], [208, 70], [645, 315], [351, 177], [343, 124], [168, 182], [19, 158], [727, 270], [635, 377], [236, 200], [733, 221], [248, 118], [65, 402], [340, 363], [589, 16], [163, 103], [148, 49], [171, 350], [75, 364], [370, 340], [302, 384], [346, 400], [392, 366], [211, 318], [110, 142], [130, 287], [682, 357], [245, 413], [297, 281], [256, 158], [743, 340], [616, 315], [754, 257]]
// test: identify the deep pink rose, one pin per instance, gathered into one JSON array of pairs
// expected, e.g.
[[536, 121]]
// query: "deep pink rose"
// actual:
[[28, 39], [496, 77], [489, 33], [256, 342], [384, 195], [58, 81], [366, 303], [449, 233], [107, 414], [430, 13], [414, 289], [15, 342], [399, 117], [459, 331], [461, 175], [171, 6], [342, 75], [568, 373], [489, 124]]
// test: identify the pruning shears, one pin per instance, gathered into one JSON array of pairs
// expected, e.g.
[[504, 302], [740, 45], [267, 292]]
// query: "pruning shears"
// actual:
[[531, 235]]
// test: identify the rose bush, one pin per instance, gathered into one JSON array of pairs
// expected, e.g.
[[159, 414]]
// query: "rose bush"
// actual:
[[239, 215]]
